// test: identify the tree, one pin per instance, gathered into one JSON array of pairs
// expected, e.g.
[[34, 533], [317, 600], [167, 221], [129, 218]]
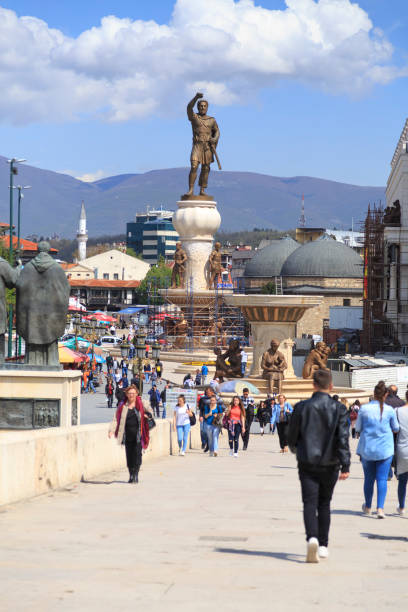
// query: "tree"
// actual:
[[269, 288], [158, 277], [132, 253]]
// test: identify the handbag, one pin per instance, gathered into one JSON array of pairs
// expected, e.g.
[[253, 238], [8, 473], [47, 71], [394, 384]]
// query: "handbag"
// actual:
[[151, 422], [193, 419]]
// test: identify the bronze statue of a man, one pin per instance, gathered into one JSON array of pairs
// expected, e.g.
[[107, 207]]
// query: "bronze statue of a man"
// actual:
[[205, 139], [215, 265], [42, 306], [179, 269], [274, 365]]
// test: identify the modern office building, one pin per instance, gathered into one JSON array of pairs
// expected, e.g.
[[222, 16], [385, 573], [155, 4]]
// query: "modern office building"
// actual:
[[153, 235]]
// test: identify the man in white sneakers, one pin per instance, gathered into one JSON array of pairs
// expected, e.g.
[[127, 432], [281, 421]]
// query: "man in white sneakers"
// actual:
[[319, 435]]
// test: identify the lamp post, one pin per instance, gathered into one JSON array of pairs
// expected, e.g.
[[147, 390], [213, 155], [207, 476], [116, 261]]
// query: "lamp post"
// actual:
[[20, 197], [13, 171]]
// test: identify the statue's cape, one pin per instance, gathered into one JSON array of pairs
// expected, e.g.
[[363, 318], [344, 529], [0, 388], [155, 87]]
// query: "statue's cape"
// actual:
[[42, 300]]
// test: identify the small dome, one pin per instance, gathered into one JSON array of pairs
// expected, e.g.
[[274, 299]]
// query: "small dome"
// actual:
[[268, 262], [324, 257]]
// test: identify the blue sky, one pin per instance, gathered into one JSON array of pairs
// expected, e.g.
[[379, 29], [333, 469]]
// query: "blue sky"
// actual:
[[303, 90]]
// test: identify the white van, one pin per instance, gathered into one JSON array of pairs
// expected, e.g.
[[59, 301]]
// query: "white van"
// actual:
[[110, 341]]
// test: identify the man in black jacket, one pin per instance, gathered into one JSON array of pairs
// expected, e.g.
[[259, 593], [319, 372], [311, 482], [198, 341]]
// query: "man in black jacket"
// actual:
[[319, 434]]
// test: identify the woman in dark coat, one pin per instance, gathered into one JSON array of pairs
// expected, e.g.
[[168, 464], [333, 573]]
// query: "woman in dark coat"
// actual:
[[130, 427], [264, 414]]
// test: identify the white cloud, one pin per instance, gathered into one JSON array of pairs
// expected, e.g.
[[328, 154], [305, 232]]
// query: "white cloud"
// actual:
[[124, 69]]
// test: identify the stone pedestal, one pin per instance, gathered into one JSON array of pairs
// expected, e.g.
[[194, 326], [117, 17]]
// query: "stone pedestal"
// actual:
[[273, 316], [37, 399], [196, 221]]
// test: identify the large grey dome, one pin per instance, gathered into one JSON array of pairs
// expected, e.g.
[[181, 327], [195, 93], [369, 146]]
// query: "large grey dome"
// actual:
[[324, 257], [268, 262]]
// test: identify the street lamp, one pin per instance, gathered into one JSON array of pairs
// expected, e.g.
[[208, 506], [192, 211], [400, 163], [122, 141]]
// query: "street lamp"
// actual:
[[124, 350], [13, 171], [20, 197], [156, 351]]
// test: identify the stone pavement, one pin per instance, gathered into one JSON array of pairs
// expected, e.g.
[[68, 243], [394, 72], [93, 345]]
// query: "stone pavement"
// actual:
[[200, 534]]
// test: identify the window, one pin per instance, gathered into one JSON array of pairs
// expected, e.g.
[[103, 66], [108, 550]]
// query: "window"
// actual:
[[346, 302], [105, 276], [116, 277]]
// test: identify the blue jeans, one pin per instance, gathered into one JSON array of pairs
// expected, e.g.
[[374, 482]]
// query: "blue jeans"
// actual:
[[376, 471], [182, 436], [90, 385], [212, 436], [402, 489], [203, 434], [164, 414], [243, 367], [147, 376]]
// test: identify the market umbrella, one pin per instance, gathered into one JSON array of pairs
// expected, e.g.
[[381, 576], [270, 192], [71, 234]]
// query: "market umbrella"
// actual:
[[102, 317], [66, 355], [237, 386]]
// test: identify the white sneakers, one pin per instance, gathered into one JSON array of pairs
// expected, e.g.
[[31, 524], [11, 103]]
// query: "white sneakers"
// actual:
[[323, 552], [182, 453], [400, 511], [231, 452], [235, 454], [312, 552], [380, 513], [365, 509]]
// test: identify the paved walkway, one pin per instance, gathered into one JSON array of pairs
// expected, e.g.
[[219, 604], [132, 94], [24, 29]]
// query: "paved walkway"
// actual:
[[201, 534]]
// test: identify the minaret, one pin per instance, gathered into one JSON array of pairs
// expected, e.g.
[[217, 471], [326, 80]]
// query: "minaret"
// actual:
[[82, 235]]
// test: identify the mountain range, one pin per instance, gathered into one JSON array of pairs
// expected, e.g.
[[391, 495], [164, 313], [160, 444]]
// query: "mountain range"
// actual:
[[245, 200]]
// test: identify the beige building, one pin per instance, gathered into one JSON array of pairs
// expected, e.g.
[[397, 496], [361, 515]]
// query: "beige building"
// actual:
[[323, 267], [111, 265]]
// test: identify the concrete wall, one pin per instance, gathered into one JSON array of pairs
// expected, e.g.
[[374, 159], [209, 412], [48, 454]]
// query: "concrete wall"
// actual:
[[36, 461]]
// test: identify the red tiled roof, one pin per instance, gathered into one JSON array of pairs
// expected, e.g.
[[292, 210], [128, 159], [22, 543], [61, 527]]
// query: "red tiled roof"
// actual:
[[67, 266], [27, 245], [103, 283]]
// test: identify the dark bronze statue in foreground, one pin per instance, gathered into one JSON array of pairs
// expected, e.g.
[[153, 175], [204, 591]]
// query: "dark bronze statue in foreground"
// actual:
[[205, 139], [228, 364], [42, 306]]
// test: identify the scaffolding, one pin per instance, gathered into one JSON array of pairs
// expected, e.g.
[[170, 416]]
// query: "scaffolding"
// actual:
[[378, 332], [193, 320]]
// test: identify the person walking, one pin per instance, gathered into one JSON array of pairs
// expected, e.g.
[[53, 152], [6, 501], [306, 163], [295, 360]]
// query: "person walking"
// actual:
[[353, 414], [280, 417], [376, 423], [147, 371], [90, 384], [109, 391], [264, 415], [163, 399], [235, 414], [319, 435], [181, 423], [117, 375], [154, 396], [244, 361], [159, 369], [109, 363], [120, 393], [394, 401], [248, 403], [204, 373], [212, 427], [270, 402], [130, 425], [203, 402], [402, 455], [197, 379]]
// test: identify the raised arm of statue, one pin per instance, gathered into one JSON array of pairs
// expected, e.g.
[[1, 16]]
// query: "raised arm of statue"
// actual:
[[190, 105]]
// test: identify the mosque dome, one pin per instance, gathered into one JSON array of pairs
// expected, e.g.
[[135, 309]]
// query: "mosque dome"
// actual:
[[323, 257], [268, 262]]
